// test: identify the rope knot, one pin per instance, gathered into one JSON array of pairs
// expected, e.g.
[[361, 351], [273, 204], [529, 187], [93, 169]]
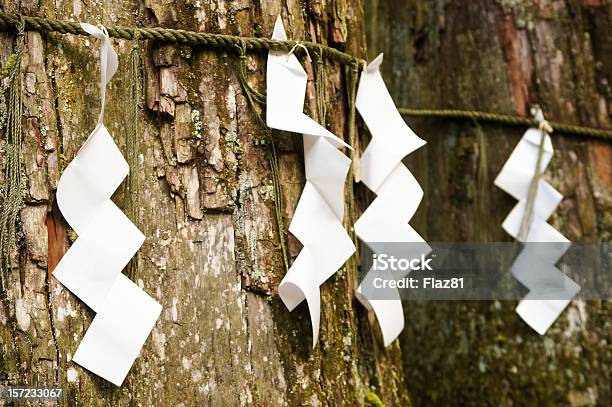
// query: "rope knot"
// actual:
[[241, 47], [543, 124], [297, 45], [319, 56], [20, 24], [136, 38], [363, 62]]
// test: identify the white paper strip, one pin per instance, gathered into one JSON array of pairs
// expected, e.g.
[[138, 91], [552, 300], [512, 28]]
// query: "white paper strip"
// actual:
[[107, 240], [535, 265], [317, 222], [398, 192], [117, 333]]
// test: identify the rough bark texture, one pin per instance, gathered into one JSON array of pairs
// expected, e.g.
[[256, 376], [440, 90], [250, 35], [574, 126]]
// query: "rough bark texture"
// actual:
[[502, 56], [203, 197]]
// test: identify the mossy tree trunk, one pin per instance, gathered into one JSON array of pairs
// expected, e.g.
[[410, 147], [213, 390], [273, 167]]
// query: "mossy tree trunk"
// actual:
[[502, 56], [202, 195]]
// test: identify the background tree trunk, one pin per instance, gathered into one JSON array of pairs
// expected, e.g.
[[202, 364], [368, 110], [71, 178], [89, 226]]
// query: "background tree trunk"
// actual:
[[502, 56], [202, 195]]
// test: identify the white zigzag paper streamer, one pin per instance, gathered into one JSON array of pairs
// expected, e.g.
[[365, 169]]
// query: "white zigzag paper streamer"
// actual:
[[398, 192], [107, 240], [550, 289], [317, 222]]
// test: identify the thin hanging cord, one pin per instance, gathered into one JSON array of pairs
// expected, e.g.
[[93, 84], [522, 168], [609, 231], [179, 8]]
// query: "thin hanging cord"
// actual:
[[532, 192], [132, 145], [14, 184], [352, 75], [253, 97], [320, 87], [252, 94]]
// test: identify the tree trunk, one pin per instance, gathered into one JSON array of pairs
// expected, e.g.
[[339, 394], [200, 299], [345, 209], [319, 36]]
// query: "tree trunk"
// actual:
[[502, 56], [201, 192]]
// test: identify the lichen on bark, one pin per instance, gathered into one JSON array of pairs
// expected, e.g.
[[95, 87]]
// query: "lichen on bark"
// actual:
[[502, 56], [205, 204]]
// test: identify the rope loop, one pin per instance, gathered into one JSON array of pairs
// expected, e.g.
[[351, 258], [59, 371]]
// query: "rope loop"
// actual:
[[20, 25], [251, 93], [242, 49], [298, 44], [543, 124], [136, 39], [320, 59], [361, 62], [13, 64]]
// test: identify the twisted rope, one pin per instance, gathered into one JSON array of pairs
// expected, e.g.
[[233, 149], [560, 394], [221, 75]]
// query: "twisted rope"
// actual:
[[251, 44], [353, 176], [509, 120], [320, 87], [208, 40]]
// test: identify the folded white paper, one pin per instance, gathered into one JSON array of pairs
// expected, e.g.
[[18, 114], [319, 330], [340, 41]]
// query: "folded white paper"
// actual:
[[317, 222], [107, 240], [535, 265], [117, 333], [398, 194]]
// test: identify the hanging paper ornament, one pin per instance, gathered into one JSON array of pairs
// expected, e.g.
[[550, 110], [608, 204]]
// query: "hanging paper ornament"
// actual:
[[317, 222], [106, 241], [550, 289], [398, 193]]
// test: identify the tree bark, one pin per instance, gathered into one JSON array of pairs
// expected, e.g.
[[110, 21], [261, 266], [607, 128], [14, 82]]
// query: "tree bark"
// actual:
[[202, 195], [502, 56]]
